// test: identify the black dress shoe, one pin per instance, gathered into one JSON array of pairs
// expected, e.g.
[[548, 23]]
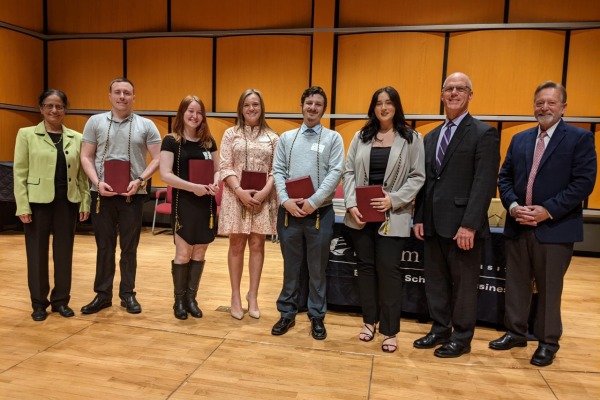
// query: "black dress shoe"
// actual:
[[543, 357], [282, 326], [451, 350], [96, 305], [39, 314], [317, 329], [430, 340], [64, 310], [507, 342], [131, 304]]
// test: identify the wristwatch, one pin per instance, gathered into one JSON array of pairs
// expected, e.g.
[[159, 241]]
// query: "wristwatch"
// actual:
[[142, 181]]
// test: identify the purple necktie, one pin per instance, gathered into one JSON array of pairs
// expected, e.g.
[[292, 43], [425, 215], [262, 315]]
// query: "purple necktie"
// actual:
[[537, 157], [444, 144]]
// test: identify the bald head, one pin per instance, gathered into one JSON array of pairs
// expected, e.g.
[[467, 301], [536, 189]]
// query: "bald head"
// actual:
[[456, 94], [459, 76]]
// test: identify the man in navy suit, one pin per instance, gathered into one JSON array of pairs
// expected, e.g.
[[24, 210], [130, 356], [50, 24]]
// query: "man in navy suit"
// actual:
[[548, 172], [461, 164]]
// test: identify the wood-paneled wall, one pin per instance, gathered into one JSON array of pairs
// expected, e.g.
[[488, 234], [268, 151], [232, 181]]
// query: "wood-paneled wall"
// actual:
[[165, 70], [72, 16], [432, 12], [83, 69], [505, 65], [279, 66], [28, 14], [21, 68], [192, 15], [412, 62]]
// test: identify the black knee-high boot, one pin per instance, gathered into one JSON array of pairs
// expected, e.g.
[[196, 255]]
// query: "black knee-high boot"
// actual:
[[180, 280], [194, 275]]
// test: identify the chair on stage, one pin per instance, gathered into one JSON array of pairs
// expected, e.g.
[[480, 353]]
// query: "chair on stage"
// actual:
[[164, 207]]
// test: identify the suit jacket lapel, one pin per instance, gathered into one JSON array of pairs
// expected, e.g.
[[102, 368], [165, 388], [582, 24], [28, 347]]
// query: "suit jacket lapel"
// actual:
[[557, 137], [458, 136], [395, 152], [431, 149], [68, 138], [40, 130], [530, 148]]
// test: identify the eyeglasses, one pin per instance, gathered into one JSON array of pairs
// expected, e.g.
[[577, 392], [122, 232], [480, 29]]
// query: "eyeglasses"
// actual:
[[459, 89], [57, 107]]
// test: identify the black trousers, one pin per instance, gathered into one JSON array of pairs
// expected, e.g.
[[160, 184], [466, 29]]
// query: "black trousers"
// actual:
[[451, 279], [116, 217], [379, 277], [527, 258], [302, 242], [60, 219]]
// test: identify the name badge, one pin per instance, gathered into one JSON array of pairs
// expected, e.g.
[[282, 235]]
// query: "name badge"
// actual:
[[318, 148], [264, 139]]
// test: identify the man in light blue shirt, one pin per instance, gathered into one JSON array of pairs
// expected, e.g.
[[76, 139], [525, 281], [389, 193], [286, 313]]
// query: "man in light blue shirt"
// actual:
[[305, 225]]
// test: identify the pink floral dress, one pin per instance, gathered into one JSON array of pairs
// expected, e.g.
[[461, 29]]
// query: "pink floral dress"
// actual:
[[257, 149]]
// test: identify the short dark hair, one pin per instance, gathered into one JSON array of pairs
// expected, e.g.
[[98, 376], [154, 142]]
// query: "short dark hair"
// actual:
[[49, 93], [314, 90], [552, 85], [121, 79]]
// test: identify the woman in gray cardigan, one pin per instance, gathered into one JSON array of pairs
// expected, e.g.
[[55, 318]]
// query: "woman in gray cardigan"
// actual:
[[386, 153]]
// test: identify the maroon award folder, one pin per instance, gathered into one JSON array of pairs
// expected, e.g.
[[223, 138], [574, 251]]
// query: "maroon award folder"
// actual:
[[299, 187], [116, 175], [253, 180], [202, 172], [364, 194]]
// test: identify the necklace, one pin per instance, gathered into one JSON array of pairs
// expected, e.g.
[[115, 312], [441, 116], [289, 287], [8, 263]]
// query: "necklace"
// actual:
[[56, 133], [376, 137]]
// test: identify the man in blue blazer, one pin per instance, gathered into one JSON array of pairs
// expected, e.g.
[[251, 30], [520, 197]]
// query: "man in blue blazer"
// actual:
[[548, 172], [461, 165]]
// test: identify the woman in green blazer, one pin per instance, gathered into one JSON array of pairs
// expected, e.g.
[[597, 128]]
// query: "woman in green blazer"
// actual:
[[52, 193]]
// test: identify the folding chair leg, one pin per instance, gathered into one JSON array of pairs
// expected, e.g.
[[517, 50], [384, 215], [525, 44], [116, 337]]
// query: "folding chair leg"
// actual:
[[154, 219]]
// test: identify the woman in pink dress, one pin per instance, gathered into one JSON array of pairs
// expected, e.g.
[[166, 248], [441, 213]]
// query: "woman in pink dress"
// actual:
[[247, 215]]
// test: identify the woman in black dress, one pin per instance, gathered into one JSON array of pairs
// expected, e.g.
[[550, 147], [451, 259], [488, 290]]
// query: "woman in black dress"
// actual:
[[194, 205]]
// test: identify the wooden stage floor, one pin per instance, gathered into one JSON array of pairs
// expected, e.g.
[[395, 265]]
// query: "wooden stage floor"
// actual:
[[115, 355]]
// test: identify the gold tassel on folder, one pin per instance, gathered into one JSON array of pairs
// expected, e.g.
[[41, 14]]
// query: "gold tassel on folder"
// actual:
[[318, 223], [211, 222], [98, 204], [285, 219]]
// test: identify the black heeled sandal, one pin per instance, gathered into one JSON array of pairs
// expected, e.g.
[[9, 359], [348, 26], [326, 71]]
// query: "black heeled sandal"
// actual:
[[388, 348], [367, 336]]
